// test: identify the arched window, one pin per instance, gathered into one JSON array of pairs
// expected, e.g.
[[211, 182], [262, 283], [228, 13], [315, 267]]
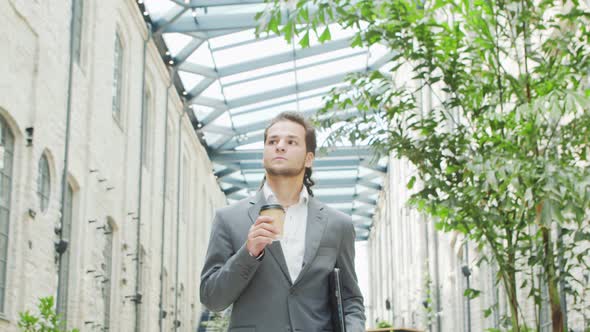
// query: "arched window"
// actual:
[[43, 183], [6, 160], [117, 78]]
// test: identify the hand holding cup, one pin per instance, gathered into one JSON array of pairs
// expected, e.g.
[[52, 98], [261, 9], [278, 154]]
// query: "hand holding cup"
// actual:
[[267, 228]]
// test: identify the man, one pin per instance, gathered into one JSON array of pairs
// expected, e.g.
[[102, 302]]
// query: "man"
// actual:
[[282, 285]]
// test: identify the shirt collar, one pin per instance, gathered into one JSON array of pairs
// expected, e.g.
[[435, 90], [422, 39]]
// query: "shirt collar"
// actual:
[[271, 198]]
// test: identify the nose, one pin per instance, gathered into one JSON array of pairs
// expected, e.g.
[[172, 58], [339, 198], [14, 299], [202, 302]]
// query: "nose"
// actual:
[[280, 146]]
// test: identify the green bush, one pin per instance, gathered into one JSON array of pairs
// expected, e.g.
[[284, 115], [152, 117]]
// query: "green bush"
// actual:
[[47, 321], [383, 324]]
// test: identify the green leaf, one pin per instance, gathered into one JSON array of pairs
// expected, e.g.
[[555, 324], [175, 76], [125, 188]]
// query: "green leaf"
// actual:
[[325, 35], [304, 42], [471, 293], [410, 184]]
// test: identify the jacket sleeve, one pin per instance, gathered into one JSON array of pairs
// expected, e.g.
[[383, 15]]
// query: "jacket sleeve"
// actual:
[[225, 273], [352, 299]]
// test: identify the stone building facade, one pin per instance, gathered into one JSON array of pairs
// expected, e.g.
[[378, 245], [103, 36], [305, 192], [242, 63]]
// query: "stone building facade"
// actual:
[[123, 247]]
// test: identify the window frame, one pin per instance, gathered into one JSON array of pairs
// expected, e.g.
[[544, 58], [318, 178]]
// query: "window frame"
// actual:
[[118, 78], [6, 133], [44, 183]]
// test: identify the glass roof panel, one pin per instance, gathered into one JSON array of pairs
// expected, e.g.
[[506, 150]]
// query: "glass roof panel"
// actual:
[[343, 66], [231, 39], [266, 103], [224, 120], [213, 91], [176, 41], [236, 9], [260, 85], [336, 32], [157, 8], [328, 56], [189, 80], [250, 52], [335, 174], [201, 111], [334, 191], [253, 74], [256, 145], [202, 56], [254, 67]]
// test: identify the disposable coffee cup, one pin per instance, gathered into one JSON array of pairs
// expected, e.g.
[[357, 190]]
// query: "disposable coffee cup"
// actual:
[[277, 212]]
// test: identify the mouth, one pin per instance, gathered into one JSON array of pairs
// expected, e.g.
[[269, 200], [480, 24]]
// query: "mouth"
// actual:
[[279, 158]]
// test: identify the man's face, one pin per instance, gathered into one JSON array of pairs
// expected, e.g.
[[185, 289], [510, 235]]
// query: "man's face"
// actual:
[[285, 151]]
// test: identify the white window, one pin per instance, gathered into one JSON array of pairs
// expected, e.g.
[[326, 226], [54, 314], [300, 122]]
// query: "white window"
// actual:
[[43, 183], [117, 78], [146, 125], [7, 156]]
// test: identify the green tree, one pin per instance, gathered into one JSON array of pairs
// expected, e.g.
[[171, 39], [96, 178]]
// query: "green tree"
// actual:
[[46, 321], [502, 153]]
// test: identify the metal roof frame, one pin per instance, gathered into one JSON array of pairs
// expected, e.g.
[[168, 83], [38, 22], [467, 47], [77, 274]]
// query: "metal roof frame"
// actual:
[[235, 164]]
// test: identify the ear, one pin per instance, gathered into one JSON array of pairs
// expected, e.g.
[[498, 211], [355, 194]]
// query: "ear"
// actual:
[[309, 157]]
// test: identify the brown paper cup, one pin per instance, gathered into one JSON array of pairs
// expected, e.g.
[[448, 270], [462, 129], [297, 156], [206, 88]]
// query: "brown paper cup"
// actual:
[[277, 212]]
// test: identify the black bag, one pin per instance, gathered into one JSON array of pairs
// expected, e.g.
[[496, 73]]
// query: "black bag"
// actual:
[[338, 321]]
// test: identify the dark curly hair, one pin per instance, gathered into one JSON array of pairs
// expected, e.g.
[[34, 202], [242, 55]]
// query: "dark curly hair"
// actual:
[[310, 142]]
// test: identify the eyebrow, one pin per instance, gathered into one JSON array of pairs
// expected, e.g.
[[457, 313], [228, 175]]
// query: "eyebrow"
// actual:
[[288, 136]]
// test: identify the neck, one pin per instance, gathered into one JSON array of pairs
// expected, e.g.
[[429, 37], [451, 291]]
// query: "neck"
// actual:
[[286, 189]]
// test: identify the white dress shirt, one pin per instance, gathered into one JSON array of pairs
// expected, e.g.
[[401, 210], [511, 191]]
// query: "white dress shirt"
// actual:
[[293, 241]]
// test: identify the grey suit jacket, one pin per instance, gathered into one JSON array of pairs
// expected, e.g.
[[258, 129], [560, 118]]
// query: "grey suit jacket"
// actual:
[[264, 297]]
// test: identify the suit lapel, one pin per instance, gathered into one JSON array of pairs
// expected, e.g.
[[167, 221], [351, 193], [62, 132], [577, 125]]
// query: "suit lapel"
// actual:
[[274, 248], [316, 224]]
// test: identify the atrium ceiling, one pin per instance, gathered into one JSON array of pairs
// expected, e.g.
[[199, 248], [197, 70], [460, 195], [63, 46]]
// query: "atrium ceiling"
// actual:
[[234, 83]]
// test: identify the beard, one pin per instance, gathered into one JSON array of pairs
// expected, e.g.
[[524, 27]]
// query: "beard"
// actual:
[[287, 172]]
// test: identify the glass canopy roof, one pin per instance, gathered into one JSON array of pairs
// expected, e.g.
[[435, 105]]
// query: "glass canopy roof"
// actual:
[[233, 83]]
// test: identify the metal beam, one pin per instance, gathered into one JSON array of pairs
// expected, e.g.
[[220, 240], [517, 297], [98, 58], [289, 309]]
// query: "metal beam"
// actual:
[[188, 50], [280, 103], [320, 184], [234, 142], [225, 172], [168, 18], [253, 167], [316, 169], [266, 61], [283, 57], [213, 3], [231, 190], [204, 23], [354, 212], [216, 22], [282, 92], [289, 90], [223, 157], [201, 86], [219, 105], [346, 199], [294, 68], [374, 167], [198, 69], [318, 163]]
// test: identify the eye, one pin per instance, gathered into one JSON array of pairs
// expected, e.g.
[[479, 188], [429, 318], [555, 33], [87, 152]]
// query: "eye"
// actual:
[[292, 142], [271, 142]]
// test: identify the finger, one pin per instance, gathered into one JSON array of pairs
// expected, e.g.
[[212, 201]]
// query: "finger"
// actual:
[[262, 233], [264, 219], [262, 240], [269, 227]]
